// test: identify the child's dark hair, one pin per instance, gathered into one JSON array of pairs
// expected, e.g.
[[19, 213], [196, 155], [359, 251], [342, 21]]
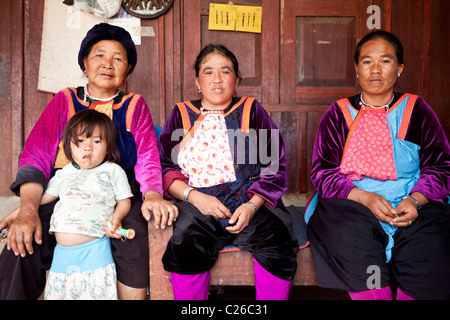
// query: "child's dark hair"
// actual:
[[83, 123]]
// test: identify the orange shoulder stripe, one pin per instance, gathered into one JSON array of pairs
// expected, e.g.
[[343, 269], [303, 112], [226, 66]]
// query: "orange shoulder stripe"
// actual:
[[190, 105], [184, 116], [67, 92], [237, 105], [407, 116], [124, 98], [130, 110], [344, 103], [245, 124]]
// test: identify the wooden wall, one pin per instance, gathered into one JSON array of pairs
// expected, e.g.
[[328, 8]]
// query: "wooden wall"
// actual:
[[297, 66]]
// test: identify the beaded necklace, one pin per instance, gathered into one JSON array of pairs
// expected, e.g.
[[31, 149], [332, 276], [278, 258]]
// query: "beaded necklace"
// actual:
[[362, 103], [93, 99]]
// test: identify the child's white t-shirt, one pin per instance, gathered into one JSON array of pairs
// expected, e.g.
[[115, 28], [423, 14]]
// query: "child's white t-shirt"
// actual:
[[87, 197]]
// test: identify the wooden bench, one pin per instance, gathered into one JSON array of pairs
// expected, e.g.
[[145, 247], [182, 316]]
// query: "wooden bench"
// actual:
[[231, 269]]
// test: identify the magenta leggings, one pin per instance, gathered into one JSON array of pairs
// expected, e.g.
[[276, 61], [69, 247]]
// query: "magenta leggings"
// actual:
[[195, 286], [384, 293]]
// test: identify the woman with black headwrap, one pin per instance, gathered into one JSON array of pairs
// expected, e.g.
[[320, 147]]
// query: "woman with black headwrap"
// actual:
[[107, 56]]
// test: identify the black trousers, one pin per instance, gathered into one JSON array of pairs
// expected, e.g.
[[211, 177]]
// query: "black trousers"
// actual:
[[348, 246], [197, 240], [24, 278]]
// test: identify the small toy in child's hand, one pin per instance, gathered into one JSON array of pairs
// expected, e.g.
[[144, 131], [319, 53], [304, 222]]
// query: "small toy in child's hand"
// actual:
[[127, 233], [3, 234]]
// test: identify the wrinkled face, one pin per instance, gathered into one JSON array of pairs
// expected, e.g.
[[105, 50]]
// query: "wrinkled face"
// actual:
[[378, 68], [89, 152], [106, 67], [217, 81]]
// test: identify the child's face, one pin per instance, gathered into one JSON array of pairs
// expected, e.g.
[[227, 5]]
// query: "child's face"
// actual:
[[90, 152]]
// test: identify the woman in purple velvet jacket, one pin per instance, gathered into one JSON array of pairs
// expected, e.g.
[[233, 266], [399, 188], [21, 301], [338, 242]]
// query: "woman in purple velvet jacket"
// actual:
[[107, 56], [224, 162], [381, 168]]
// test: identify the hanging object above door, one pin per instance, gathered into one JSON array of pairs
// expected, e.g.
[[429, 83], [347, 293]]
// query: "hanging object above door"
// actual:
[[147, 9]]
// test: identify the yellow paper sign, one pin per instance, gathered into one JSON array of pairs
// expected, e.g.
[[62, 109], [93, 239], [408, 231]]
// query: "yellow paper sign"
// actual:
[[230, 17], [221, 17]]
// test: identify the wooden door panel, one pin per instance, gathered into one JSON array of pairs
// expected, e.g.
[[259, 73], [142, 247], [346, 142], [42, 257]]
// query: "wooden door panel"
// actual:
[[317, 42], [257, 53], [320, 45], [317, 38]]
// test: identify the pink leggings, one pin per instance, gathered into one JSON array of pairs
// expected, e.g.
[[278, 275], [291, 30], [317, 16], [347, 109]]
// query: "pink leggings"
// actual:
[[384, 293], [195, 286]]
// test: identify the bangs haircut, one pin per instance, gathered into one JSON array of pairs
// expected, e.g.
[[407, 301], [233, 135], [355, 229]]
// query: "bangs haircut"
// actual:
[[83, 124]]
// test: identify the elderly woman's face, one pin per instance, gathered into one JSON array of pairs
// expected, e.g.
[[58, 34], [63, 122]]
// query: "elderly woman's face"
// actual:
[[106, 68], [378, 68], [217, 81]]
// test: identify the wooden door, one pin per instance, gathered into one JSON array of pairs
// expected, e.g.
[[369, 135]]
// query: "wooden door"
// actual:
[[317, 42]]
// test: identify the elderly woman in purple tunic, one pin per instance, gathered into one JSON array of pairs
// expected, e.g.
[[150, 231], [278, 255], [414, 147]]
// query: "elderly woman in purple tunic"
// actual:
[[107, 56], [381, 168], [224, 162]]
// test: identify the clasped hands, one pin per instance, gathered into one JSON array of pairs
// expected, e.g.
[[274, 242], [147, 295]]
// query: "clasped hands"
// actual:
[[401, 216], [210, 205]]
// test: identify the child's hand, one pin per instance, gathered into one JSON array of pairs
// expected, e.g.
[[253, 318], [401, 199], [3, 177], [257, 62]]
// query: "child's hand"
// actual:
[[115, 224]]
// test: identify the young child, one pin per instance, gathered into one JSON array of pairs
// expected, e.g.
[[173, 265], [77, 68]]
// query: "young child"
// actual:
[[92, 189]]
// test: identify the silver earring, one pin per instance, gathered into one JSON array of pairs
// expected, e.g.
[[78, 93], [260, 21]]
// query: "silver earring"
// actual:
[[399, 74]]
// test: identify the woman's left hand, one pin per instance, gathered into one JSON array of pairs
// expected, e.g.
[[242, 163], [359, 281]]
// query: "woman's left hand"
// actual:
[[406, 213], [164, 212], [242, 217]]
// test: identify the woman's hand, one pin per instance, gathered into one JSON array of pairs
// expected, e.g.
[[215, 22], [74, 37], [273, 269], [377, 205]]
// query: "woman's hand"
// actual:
[[23, 228], [244, 214], [376, 203], [406, 213], [407, 210], [6, 222], [26, 226], [8, 219], [164, 212], [242, 217], [209, 205]]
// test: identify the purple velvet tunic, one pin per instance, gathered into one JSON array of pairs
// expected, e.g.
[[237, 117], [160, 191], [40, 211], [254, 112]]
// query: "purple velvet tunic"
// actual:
[[266, 176], [260, 165], [424, 130], [346, 238], [39, 153]]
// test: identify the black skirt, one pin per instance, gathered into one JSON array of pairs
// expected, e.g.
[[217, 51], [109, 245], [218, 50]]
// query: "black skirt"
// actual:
[[348, 247], [197, 240]]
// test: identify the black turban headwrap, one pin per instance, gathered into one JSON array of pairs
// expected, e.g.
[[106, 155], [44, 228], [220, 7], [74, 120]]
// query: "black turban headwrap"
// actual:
[[105, 31]]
